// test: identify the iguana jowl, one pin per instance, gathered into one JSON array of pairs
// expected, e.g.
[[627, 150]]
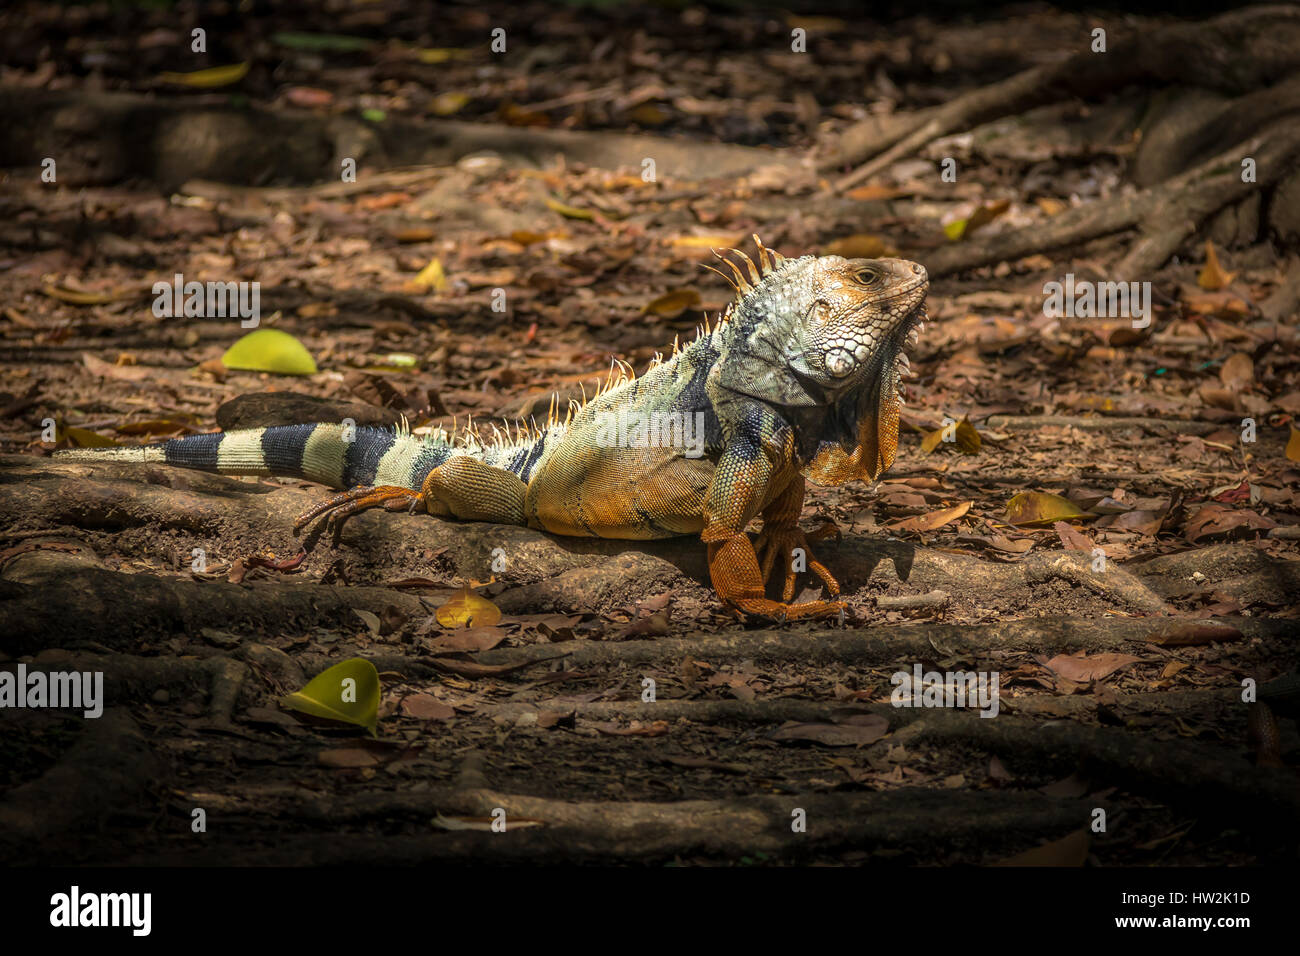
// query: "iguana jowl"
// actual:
[[799, 379]]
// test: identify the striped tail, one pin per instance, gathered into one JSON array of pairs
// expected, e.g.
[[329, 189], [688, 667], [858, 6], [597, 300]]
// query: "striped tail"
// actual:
[[373, 456]]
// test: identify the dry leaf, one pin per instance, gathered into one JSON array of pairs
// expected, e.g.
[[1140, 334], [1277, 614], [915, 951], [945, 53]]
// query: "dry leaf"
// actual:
[[1212, 276], [1238, 372], [1037, 508], [962, 436], [934, 520], [1190, 634], [1082, 670], [672, 304], [426, 707], [1071, 850], [860, 246]]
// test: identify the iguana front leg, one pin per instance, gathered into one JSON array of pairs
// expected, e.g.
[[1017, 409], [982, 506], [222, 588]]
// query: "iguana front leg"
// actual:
[[741, 484], [461, 487], [781, 537]]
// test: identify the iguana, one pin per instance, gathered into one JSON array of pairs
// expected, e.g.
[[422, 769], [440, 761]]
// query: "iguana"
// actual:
[[799, 379]]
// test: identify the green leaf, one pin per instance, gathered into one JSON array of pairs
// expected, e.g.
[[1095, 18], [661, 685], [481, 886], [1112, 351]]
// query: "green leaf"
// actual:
[[270, 350], [348, 692], [373, 115], [322, 42]]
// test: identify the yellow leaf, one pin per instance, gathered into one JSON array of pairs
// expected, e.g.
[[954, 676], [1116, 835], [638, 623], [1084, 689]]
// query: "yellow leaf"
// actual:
[[430, 277], [1212, 276], [569, 212], [672, 304], [156, 426], [955, 229], [647, 114], [432, 55], [467, 608], [445, 104], [985, 214], [873, 191], [860, 246], [1293, 444], [715, 241], [1039, 508], [207, 79], [85, 438], [961, 435], [348, 691], [526, 238], [78, 297], [270, 350], [815, 24]]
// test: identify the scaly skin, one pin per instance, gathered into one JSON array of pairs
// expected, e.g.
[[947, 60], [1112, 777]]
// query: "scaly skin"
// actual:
[[798, 381]]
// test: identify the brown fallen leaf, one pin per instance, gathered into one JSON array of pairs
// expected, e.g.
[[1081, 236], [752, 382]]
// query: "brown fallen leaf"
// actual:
[[1219, 521], [1082, 669], [348, 758], [1190, 634], [426, 707], [123, 373], [1070, 850], [860, 246], [932, 521], [475, 669], [1293, 445], [656, 728], [859, 731], [469, 639], [1238, 371], [1072, 540]]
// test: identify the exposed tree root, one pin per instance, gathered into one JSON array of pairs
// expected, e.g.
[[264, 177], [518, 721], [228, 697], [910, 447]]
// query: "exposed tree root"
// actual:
[[915, 821], [1208, 54], [1186, 201], [109, 769]]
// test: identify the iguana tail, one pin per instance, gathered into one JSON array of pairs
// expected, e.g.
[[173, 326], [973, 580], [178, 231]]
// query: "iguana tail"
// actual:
[[325, 453]]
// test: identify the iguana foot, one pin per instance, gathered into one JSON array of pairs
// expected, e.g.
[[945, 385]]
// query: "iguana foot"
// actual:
[[734, 569], [341, 507], [784, 611], [791, 546]]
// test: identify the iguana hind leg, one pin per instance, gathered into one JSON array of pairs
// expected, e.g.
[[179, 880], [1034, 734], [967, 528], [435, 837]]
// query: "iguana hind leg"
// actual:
[[461, 487]]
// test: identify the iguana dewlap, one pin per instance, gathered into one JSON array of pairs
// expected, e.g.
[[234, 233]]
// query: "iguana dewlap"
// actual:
[[799, 380]]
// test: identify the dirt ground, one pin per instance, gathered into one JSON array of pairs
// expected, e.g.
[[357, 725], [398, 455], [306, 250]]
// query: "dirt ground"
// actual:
[[1121, 627]]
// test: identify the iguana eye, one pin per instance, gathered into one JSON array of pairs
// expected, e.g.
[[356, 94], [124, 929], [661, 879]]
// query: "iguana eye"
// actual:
[[867, 276]]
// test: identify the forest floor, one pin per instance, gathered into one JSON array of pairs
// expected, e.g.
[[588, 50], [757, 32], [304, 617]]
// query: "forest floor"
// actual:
[[1121, 625]]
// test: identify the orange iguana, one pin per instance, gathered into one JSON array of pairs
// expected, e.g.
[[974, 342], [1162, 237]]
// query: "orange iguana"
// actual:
[[799, 379]]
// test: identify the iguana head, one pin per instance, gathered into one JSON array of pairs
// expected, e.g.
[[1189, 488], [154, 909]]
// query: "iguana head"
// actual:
[[823, 338]]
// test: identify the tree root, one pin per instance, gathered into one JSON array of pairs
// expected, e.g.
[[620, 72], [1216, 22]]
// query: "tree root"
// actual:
[[1204, 54], [108, 770], [1187, 201]]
